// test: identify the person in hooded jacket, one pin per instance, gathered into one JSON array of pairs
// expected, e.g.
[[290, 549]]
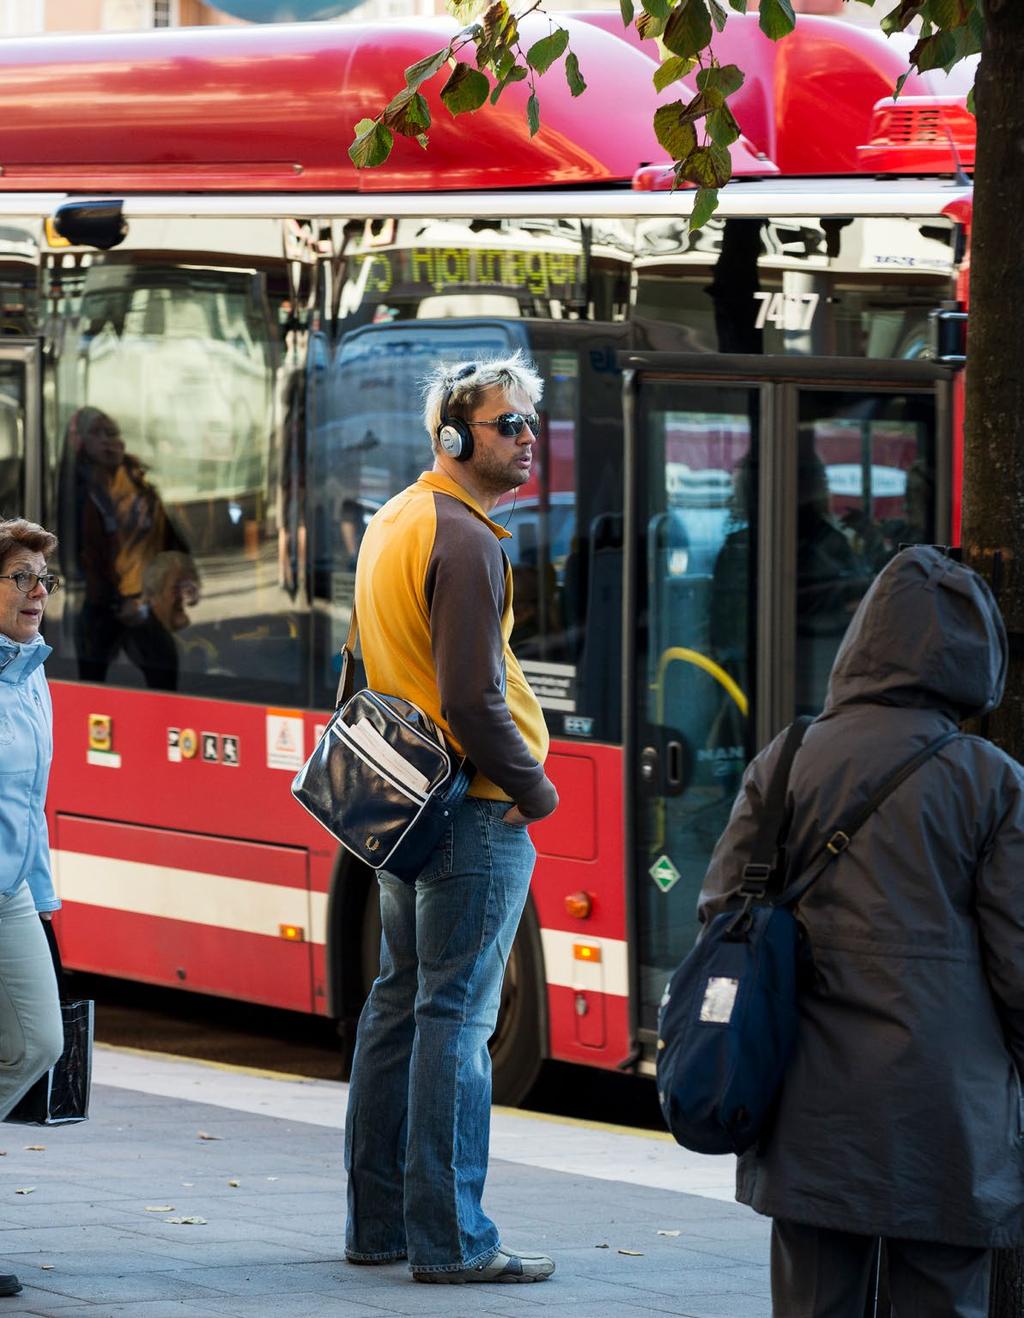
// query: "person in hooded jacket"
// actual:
[[31, 1029], [900, 1116]]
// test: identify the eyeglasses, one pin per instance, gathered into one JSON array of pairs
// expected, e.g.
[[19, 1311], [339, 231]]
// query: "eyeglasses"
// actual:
[[27, 581], [510, 424]]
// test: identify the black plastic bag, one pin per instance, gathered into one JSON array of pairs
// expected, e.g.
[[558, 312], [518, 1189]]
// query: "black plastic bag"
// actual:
[[61, 1096]]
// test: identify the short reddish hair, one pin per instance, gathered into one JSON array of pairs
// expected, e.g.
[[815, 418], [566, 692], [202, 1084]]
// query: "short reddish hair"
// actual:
[[18, 533]]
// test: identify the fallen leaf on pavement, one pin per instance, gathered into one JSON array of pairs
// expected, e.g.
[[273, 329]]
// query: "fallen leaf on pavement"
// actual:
[[633, 1253], [234, 1183], [159, 1208], [670, 1233], [35, 1148], [47, 1267], [186, 1221], [28, 1189], [203, 1136], [602, 1246]]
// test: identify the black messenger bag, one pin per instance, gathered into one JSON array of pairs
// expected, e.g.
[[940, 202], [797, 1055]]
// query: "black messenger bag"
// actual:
[[382, 779]]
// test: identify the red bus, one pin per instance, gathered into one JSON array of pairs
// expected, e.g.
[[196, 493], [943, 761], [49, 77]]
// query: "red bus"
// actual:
[[212, 334]]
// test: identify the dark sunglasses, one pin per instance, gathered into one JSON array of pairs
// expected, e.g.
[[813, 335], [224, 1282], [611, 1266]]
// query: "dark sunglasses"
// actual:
[[27, 581], [510, 424]]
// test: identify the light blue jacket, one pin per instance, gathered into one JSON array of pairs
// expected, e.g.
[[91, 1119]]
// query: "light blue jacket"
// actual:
[[26, 749]]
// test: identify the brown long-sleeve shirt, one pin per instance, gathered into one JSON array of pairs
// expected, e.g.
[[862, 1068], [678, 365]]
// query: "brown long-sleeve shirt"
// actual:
[[434, 599]]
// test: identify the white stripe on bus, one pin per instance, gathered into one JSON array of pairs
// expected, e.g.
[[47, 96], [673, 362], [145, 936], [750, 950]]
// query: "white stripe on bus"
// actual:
[[260, 908], [176, 894]]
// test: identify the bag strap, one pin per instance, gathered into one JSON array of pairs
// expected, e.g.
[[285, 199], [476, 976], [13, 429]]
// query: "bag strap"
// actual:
[[58, 965], [347, 676], [773, 825], [842, 837]]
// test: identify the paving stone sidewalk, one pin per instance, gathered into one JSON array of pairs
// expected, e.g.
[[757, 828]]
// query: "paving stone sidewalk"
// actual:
[[96, 1235]]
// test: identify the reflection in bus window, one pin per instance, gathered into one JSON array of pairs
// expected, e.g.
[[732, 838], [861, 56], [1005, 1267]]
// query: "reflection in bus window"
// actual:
[[115, 525], [12, 438], [865, 486], [856, 287], [176, 487]]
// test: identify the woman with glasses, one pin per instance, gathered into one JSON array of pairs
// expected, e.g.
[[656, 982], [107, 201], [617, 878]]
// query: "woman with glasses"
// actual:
[[31, 1032]]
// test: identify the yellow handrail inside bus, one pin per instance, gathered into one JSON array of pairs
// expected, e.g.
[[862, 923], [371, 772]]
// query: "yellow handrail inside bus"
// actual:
[[679, 654]]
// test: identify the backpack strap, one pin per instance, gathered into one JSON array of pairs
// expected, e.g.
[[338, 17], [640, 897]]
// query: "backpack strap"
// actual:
[[841, 838], [774, 820]]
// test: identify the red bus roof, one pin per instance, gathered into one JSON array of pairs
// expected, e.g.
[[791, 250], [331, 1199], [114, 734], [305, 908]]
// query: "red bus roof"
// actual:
[[272, 108], [808, 101]]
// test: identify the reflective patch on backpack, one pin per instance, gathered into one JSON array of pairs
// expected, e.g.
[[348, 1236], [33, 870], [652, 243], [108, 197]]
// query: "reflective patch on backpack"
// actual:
[[719, 1000]]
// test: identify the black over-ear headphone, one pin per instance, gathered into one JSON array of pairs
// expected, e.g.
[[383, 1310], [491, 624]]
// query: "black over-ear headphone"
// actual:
[[454, 437]]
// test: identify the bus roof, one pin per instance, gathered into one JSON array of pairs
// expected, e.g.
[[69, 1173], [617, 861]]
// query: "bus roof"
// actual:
[[272, 109]]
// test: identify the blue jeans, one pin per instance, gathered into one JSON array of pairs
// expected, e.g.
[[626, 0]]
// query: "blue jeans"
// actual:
[[418, 1125]]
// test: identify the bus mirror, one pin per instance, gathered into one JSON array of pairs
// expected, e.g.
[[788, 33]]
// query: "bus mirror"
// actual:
[[91, 223], [948, 327]]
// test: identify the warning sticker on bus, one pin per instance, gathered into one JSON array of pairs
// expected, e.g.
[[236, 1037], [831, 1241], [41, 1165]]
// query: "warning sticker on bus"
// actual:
[[285, 740], [554, 685]]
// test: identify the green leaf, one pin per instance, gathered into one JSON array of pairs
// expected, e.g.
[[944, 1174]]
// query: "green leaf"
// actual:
[[648, 26], [899, 84], [498, 36], [708, 167], [423, 140], [740, 6], [679, 139], [372, 145], [688, 30], [542, 54], [718, 15], [657, 8], [626, 9], [533, 114], [671, 69], [970, 101], [901, 16], [722, 126], [705, 203], [573, 77], [466, 90], [776, 18], [408, 113], [425, 68], [515, 74], [933, 52], [720, 81], [946, 13]]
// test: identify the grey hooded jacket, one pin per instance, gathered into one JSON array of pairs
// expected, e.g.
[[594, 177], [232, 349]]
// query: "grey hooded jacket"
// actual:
[[901, 1112]]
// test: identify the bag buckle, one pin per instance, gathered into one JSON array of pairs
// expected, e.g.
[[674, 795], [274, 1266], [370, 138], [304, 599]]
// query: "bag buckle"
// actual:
[[755, 879], [838, 842]]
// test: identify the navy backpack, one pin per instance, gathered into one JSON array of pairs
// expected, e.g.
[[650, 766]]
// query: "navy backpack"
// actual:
[[728, 1019]]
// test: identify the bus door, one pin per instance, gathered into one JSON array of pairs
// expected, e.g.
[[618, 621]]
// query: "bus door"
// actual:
[[20, 469], [763, 495]]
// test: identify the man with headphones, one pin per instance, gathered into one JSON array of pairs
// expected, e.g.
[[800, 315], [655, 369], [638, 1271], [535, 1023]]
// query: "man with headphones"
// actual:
[[434, 600]]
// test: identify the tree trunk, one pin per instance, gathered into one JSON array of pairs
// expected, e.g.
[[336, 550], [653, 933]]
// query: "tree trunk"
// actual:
[[994, 431]]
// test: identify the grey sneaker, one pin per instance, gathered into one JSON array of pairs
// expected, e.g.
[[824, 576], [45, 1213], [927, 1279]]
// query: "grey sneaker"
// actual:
[[504, 1266]]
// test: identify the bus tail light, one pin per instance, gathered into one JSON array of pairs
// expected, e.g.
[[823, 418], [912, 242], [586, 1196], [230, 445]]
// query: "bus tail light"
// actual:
[[292, 933], [578, 905], [588, 952]]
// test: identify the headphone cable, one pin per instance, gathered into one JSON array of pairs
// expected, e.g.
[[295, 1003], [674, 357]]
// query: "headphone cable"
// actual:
[[515, 496]]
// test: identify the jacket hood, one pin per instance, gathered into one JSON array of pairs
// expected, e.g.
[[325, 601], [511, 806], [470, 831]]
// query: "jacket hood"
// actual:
[[927, 634]]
